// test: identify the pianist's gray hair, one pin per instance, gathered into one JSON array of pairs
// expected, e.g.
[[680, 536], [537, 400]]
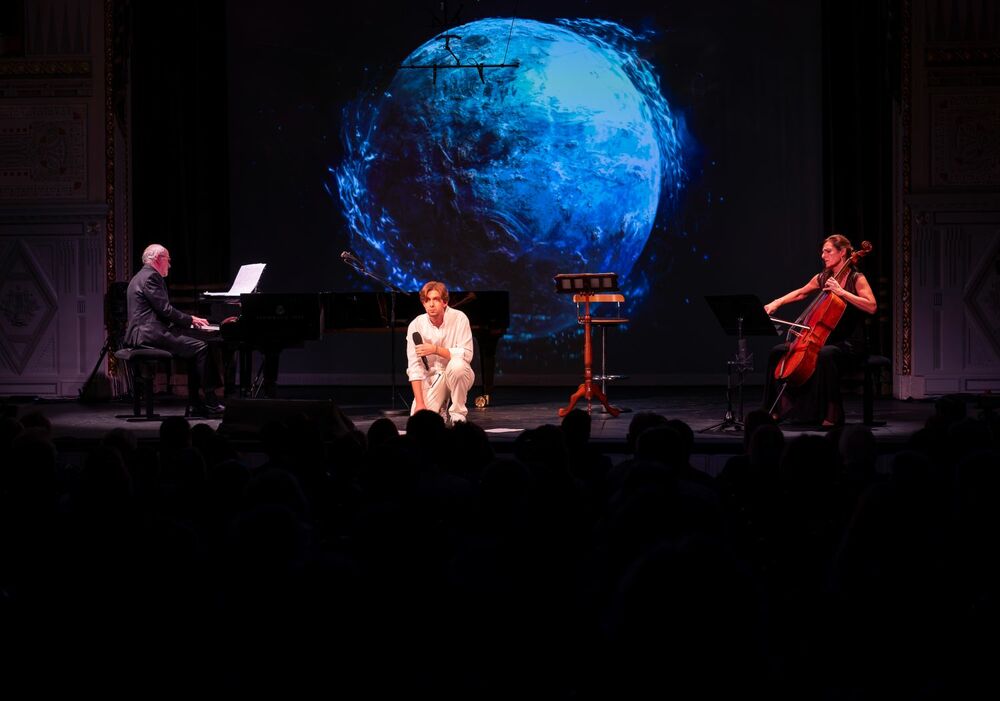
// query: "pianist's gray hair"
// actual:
[[152, 250]]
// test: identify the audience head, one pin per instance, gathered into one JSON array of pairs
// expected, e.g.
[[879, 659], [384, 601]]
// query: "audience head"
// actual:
[[640, 422], [857, 449], [766, 446], [10, 428], [426, 432], [686, 435], [576, 427], [175, 434], [754, 420], [662, 444], [382, 432], [37, 422]]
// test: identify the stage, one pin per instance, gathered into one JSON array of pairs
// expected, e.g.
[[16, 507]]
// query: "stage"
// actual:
[[76, 425]]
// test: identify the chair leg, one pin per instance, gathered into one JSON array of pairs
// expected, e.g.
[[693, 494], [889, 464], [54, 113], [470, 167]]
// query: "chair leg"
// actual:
[[148, 380], [143, 381], [138, 386], [868, 399]]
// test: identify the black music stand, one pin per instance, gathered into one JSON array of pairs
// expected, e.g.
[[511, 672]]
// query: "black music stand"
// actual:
[[740, 316]]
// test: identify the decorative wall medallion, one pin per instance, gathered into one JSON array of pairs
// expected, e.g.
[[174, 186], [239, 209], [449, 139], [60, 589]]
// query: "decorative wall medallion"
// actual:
[[19, 306], [43, 152], [982, 296], [28, 304], [965, 144]]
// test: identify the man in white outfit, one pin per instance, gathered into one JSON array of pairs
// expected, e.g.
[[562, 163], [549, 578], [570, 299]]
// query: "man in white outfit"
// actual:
[[439, 355]]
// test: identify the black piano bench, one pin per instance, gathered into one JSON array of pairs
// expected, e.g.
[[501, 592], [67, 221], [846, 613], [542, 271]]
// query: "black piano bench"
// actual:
[[142, 364]]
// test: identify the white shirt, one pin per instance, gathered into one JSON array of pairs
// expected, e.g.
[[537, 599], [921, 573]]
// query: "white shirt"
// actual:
[[454, 333]]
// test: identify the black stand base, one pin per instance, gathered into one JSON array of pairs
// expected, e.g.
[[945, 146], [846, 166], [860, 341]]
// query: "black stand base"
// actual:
[[728, 423], [729, 419], [87, 391]]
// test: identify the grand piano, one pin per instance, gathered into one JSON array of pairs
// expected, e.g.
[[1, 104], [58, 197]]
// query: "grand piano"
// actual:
[[270, 322]]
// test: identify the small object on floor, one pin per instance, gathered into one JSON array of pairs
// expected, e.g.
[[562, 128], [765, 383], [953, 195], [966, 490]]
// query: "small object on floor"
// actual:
[[205, 411]]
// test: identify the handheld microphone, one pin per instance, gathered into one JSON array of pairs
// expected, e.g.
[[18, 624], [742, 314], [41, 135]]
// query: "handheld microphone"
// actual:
[[417, 339]]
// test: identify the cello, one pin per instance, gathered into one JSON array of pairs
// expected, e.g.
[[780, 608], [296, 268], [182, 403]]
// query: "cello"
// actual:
[[821, 318]]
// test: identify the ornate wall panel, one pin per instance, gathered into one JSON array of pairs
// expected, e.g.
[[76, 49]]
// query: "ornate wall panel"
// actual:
[[58, 242], [947, 252], [955, 317], [965, 140], [43, 152], [51, 299]]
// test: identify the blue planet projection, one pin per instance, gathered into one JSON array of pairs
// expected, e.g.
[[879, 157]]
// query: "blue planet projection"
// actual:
[[501, 180]]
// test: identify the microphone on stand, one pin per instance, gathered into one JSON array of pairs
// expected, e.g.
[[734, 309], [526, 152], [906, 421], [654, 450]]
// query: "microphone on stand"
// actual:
[[417, 339]]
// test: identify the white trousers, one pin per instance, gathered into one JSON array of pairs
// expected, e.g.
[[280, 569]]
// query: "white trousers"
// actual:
[[452, 385]]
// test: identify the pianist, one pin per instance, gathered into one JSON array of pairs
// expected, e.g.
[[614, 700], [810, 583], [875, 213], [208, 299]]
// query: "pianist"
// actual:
[[439, 355], [153, 322]]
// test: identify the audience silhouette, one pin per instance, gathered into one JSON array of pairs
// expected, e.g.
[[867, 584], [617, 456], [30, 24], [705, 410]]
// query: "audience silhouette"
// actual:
[[380, 563]]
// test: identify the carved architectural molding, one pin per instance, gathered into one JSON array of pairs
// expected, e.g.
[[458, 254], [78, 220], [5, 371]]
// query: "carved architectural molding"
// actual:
[[43, 152], [965, 141], [962, 57], [948, 199], [35, 89], [982, 297], [28, 304], [109, 139], [45, 68], [955, 285], [58, 189], [87, 217]]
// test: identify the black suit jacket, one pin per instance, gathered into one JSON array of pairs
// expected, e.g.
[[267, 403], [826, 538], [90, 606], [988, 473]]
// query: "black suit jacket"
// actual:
[[149, 310]]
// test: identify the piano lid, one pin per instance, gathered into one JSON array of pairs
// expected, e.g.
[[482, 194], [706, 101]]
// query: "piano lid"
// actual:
[[345, 311], [281, 316]]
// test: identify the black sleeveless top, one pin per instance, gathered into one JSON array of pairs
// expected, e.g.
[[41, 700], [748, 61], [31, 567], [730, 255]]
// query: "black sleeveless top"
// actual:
[[850, 330]]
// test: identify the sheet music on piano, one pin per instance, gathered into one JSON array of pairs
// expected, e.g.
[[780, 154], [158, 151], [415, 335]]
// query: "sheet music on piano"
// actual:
[[245, 282]]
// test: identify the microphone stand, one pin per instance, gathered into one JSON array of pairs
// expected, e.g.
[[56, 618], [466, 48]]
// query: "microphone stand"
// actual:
[[740, 365], [359, 267]]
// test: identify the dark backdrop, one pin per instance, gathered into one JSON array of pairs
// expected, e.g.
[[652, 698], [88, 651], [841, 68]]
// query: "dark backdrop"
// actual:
[[777, 96]]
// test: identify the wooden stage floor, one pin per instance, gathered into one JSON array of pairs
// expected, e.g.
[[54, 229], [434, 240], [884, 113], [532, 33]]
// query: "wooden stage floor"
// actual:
[[513, 410]]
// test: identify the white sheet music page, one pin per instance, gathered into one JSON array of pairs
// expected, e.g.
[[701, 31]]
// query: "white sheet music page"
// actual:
[[245, 282]]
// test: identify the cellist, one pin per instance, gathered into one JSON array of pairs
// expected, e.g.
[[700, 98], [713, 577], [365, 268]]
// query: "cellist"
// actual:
[[818, 400]]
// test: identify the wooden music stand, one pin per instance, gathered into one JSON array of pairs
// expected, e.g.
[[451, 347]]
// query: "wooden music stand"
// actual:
[[588, 288]]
